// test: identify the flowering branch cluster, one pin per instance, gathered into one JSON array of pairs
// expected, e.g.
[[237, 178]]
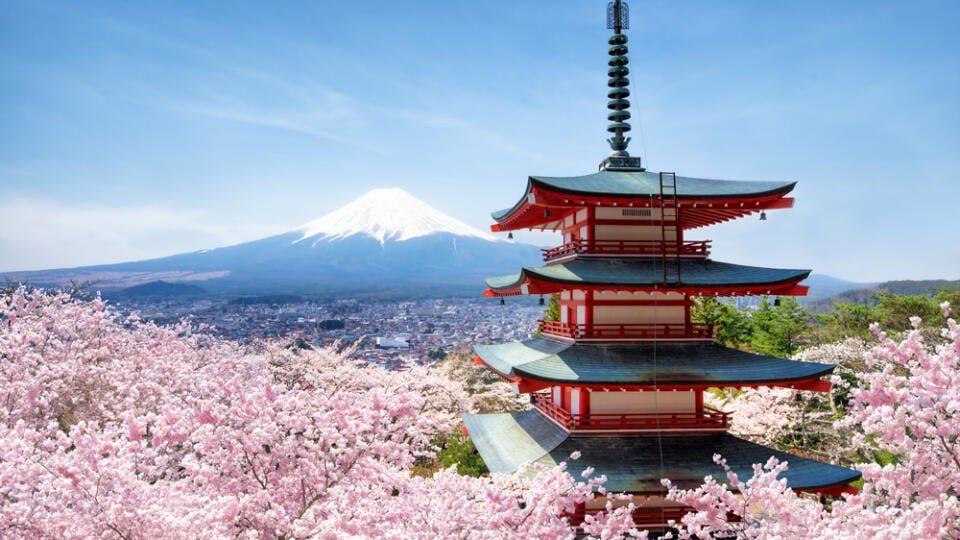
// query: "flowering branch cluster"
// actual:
[[115, 428], [906, 404]]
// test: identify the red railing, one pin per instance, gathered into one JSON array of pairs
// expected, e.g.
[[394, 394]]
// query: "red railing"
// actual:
[[649, 517], [695, 248], [641, 516], [708, 419], [620, 332]]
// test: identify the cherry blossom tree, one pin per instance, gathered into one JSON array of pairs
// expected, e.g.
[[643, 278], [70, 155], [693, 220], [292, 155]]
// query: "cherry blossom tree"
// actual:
[[762, 414], [112, 427], [117, 428], [906, 404]]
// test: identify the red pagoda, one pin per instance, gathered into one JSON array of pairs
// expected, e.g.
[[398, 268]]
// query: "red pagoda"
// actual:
[[620, 376]]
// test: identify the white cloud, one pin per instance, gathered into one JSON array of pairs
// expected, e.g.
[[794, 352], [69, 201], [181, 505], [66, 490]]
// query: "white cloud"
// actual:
[[311, 123], [40, 234]]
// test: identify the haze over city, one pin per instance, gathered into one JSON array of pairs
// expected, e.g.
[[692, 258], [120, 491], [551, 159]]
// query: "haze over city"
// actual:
[[135, 131]]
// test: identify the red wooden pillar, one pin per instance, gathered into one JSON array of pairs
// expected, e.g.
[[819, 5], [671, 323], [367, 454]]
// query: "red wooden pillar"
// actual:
[[588, 310], [579, 512], [591, 227]]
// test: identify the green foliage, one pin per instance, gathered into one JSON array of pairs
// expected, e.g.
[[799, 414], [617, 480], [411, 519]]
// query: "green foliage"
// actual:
[[893, 311], [779, 328], [948, 295], [731, 326], [846, 320], [458, 449], [884, 458], [552, 312]]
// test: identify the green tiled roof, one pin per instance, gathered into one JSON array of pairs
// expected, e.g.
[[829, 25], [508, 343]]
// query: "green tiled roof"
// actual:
[[695, 363], [634, 184], [633, 464], [649, 272], [646, 183]]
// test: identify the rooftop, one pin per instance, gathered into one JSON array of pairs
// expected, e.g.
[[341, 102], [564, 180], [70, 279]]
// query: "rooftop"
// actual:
[[635, 464], [705, 274], [704, 201], [644, 364]]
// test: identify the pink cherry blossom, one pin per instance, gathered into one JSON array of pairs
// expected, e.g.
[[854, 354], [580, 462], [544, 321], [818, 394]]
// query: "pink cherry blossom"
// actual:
[[115, 428], [906, 404]]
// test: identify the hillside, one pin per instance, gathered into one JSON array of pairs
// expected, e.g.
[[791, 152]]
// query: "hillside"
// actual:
[[161, 289], [865, 295]]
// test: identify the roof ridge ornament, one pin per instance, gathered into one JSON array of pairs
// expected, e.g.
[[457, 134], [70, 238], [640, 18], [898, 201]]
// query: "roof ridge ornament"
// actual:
[[618, 19]]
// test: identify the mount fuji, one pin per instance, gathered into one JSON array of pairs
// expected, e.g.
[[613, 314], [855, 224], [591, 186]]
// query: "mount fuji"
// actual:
[[387, 214], [385, 242]]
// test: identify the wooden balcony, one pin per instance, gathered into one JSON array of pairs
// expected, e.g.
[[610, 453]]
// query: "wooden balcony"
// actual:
[[632, 248], [627, 332], [646, 517], [709, 420]]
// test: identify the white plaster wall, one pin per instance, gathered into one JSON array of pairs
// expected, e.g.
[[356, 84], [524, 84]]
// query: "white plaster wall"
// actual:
[[642, 402], [638, 315], [632, 232], [637, 296]]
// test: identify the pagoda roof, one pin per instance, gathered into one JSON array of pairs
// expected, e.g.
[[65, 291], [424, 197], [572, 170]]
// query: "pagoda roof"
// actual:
[[704, 201], [632, 464], [684, 364], [697, 276]]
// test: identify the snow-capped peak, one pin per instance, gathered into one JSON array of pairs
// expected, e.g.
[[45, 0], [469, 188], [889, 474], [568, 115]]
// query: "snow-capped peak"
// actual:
[[387, 214]]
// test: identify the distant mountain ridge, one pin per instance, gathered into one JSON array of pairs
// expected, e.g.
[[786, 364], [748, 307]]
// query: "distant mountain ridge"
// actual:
[[824, 286], [864, 295], [385, 242]]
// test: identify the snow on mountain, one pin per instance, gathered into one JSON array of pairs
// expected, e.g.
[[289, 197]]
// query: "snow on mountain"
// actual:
[[387, 242], [387, 214]]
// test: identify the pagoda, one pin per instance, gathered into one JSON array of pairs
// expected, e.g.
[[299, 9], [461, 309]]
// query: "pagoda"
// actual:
[[620, 376]]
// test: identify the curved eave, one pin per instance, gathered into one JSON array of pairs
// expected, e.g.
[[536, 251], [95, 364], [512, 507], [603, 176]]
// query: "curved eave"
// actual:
[[543, 362], [702, 277], [635, 464], [707, 202]]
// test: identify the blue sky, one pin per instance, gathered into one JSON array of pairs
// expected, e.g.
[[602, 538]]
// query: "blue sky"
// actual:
[[131, 130]]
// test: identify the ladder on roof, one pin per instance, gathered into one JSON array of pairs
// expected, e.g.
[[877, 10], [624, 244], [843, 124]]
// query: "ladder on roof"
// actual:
[[669, 229]]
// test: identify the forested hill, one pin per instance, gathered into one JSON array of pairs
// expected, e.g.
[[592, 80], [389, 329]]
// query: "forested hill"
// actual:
[[867, 295]]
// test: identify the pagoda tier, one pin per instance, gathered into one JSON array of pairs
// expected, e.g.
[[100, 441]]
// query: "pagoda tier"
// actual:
[[697, 277], [636, 463], [542, 362], [548, 201]]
